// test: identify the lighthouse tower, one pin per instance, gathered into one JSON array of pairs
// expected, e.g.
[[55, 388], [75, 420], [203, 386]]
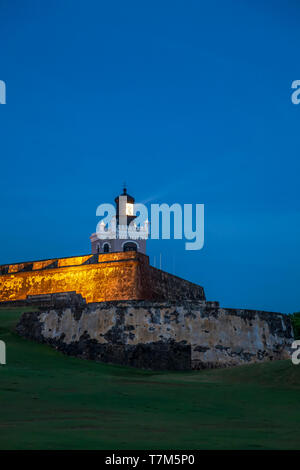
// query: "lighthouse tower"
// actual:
[[123, 238]]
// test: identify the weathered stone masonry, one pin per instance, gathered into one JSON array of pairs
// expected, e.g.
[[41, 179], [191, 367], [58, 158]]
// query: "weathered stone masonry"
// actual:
[[162, 334], [117, 308]]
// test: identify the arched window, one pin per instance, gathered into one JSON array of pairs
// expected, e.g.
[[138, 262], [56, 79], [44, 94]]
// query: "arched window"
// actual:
[[98, 248], [130, 246], [106, 248]]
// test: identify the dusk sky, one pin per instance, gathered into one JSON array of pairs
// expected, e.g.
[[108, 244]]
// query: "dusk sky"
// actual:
[[185, 105]]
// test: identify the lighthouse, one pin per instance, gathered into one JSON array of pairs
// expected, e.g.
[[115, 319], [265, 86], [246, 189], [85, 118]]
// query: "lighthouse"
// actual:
[[126, 236]]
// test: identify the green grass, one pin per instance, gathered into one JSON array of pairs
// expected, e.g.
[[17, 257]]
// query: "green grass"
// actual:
[[52, 401]]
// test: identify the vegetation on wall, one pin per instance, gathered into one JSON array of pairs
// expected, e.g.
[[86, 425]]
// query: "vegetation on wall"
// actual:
[[295, 319]]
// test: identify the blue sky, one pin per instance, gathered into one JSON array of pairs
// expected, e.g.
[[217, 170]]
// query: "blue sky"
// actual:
[[189, 102]]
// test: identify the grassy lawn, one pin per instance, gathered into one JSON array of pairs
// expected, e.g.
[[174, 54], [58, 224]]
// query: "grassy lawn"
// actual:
[[51, 401]]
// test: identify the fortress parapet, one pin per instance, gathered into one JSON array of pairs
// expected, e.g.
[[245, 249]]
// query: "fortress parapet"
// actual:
[[97, 277]]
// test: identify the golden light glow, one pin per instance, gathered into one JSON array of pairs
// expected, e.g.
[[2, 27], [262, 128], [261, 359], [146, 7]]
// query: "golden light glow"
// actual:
[[73, 261], [112, 278], [129, 209]]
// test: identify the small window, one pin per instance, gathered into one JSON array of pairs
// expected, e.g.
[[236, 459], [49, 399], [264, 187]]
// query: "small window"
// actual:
[[130, 246], [98, 248], [106, 248]]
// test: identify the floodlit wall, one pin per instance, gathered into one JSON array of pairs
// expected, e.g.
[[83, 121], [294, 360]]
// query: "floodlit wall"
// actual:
[[98, 278]]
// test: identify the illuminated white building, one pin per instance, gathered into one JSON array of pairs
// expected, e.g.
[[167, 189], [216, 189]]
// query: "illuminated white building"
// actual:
[[122, 234]]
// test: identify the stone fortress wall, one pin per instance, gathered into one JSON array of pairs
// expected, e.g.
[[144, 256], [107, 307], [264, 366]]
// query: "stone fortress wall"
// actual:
[[98, 278], [161, 334], [115, 307]]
